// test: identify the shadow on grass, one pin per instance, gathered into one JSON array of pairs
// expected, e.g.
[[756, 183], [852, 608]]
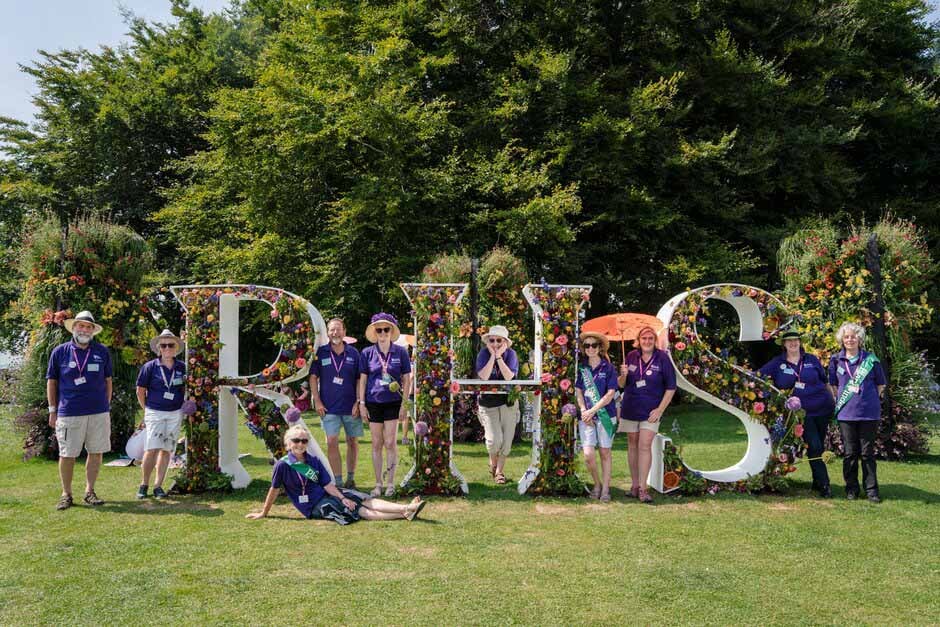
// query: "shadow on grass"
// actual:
[[178, 506]]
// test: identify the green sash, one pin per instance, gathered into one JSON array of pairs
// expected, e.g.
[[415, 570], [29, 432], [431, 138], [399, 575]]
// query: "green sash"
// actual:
[[864, 368], [593, 395], [303, 469]]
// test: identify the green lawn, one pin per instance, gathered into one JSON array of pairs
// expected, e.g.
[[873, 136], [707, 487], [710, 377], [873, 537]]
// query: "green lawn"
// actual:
[[494, 557]]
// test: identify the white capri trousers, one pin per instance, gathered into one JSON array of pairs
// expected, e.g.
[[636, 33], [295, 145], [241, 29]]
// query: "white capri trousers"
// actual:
[[499, 427]]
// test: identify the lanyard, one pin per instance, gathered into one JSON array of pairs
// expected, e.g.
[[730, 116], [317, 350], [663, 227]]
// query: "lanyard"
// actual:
[[643, 366], [342, 359], [81, 366], [848, 365], [163, 376], [303, 483], [799, 366], [384, 361]]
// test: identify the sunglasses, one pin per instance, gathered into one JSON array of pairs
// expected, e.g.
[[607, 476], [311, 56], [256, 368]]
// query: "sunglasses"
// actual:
[[168, 346], [590, 345], [495, 340], [299, 440], [383, 329]]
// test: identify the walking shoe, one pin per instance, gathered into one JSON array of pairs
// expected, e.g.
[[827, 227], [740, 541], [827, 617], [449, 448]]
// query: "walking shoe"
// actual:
[[92, 499], [851, 496], [142, 492], [350, 483], [390, 490], [65, 502], [826, 492], [376, 491], [873, 497], [158, 493]]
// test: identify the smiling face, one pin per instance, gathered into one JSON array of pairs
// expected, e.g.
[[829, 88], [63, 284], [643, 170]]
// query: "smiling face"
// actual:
[[336, 331], [792, 345], [647, 341], [297, 444], [83, 331], [850, 340]]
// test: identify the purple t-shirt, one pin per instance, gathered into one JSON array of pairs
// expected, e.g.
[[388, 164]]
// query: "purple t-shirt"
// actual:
[[159, 381], [295, 484], [865, 405], [68, 363], [509, 358], [813, 394], [605, 379], [644, 392], [337, 386], [370, 363]]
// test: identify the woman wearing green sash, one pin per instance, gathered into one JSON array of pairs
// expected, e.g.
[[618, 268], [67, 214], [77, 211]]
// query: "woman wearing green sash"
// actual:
[[595, 388], [857, 381]]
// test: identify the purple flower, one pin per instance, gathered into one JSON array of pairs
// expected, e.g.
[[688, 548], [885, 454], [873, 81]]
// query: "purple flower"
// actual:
[[292, 415], [569, 410], [189, 407], [793, 403], [421, 428]]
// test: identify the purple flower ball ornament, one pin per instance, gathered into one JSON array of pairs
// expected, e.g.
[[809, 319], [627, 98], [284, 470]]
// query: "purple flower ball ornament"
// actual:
[[793, 403], [292, 415], [421, 428], [189, 407]]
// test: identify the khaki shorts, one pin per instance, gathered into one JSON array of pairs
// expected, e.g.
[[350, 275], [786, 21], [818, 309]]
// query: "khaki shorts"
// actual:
[[92, 431], [634, 426], [163, 429]]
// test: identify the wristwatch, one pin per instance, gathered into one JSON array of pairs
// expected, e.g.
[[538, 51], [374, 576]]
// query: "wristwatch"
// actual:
[[53, 409], [362, 402]]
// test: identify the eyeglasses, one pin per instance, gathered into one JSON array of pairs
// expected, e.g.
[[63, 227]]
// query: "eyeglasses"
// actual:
[[299, 440], [590, 345], [168, 346], [495, 340], [383, 329]]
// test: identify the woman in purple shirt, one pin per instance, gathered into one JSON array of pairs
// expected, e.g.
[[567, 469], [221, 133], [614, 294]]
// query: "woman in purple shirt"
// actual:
[[804, 374], [385, 372], [648, 379], [595, 388], [857, 381]]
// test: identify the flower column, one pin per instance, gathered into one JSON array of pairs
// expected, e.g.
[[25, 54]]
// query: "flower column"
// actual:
[[434, 308]]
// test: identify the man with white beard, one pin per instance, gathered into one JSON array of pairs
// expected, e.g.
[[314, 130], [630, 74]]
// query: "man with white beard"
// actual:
[[78, 388], [333, 378]]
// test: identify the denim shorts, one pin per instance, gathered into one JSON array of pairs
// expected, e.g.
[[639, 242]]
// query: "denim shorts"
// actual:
[[595, 435], [352, 425]]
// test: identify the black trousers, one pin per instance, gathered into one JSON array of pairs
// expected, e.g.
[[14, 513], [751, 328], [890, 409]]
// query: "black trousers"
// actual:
[[858, 439], [814, 434]]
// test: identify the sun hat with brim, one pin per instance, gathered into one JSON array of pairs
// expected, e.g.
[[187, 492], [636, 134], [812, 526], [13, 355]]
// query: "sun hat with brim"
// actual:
[[382, 318], [789, 335], [498, 330], [166, 334], [83, 316], [605, 343]]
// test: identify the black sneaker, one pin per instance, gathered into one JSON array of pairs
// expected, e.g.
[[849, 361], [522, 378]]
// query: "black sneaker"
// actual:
[[142, 492], [873, 497], [826, 492], [158, 493], [851, 496]]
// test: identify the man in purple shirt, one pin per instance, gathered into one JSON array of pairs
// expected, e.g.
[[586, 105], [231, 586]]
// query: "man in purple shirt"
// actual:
[[333, 379], [78, 388]]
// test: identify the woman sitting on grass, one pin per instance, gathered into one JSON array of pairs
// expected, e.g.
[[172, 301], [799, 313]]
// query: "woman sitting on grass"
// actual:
[[311, 489]]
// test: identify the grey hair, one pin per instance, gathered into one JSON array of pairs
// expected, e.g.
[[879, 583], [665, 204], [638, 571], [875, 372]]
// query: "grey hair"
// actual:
[[858, 329]]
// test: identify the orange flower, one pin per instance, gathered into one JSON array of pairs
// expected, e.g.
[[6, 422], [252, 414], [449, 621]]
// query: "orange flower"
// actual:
[[670, 480]]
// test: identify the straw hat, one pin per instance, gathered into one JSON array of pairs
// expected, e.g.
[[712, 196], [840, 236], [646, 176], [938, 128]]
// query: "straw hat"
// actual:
[[83, 316], [605, 343], [382, 318], [498, 330], [166, 334]]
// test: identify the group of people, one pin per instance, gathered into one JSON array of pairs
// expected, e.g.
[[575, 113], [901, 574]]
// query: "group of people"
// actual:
[[349, 388]]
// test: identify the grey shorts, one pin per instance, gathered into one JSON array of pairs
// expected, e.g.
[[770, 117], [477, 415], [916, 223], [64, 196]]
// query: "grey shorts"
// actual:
[[92, 431]]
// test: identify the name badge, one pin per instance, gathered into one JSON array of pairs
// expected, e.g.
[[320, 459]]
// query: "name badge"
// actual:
[[386, 379], [789, 371], [169, 396], [80, 381], [641, 383], [303, 498], [93, 367], [840, 370], [799, 385], [854, 389], [325, 362], [177, 381], [632, 367], [337, 380], [72, 364]]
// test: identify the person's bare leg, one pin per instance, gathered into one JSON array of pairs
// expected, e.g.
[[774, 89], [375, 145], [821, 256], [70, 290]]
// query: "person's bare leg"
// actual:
[[605, 470], [352, 455], [163, 462], [633, 458], [378, 442], [646, 455], [333, 455], [92, 466], [66, 470], [391, 450], [147, 464], [380, 505], [371, 514], [590, 460]]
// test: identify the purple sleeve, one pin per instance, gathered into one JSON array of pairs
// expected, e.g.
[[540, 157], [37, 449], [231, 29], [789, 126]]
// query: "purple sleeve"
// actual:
[[579, 380], [833, 379], [767, 370], [143, 377], [315, 366], [512, 361], [108, 372], [482, 357], [405, 361], [879, 373], [363, 363], [52, 371], [669, 373], [277, 477]]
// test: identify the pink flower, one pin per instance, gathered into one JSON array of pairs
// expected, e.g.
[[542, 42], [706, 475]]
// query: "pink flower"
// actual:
[[546, 377], [300, 362], [765, 335], [545, 315], [421, 428], [452, 299], [585, 295], [680, 346], [783, 458], [427, 471], [454, 387], [561, 340], [274, 314], [759, 408], [798, 431], [564, 384]]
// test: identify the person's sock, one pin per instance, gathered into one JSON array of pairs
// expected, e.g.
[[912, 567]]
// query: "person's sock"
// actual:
[[350, 477], [339, 481]]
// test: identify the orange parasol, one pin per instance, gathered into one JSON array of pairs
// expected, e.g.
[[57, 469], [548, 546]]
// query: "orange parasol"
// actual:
[[349, 340], [621, 326], [405, 340]]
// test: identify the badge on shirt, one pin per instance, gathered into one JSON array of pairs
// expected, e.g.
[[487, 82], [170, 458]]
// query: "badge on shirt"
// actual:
[[789, 371], [337, 380], [783, 367], [72, 364], [840, 370], [641, 383], [169, 396], [799, 385], [632, 367], [855, 389], [93, 367], [177, 381], [386, 379], [325, 362], [303, 498], [80, 381]]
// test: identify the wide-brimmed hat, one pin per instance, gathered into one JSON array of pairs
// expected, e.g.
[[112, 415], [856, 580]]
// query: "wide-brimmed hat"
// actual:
[[83, 316], [605, 343], [166, 334], [382, 318], [498, 330], [789, 334]]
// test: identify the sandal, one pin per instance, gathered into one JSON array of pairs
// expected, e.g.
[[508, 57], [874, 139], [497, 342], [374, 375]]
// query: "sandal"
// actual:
[[634, 492], [415, 510], [92, 499], [605, 497], [596, 492], [500, 478], [645, 497], [377, 490], [65, 502], [390, 490]]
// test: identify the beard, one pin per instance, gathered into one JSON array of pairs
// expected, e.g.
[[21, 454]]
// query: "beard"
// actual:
[[336, 340], [82, 338]]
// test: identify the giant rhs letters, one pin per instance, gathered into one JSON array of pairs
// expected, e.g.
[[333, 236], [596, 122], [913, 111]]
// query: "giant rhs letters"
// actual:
[[213, 377]]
